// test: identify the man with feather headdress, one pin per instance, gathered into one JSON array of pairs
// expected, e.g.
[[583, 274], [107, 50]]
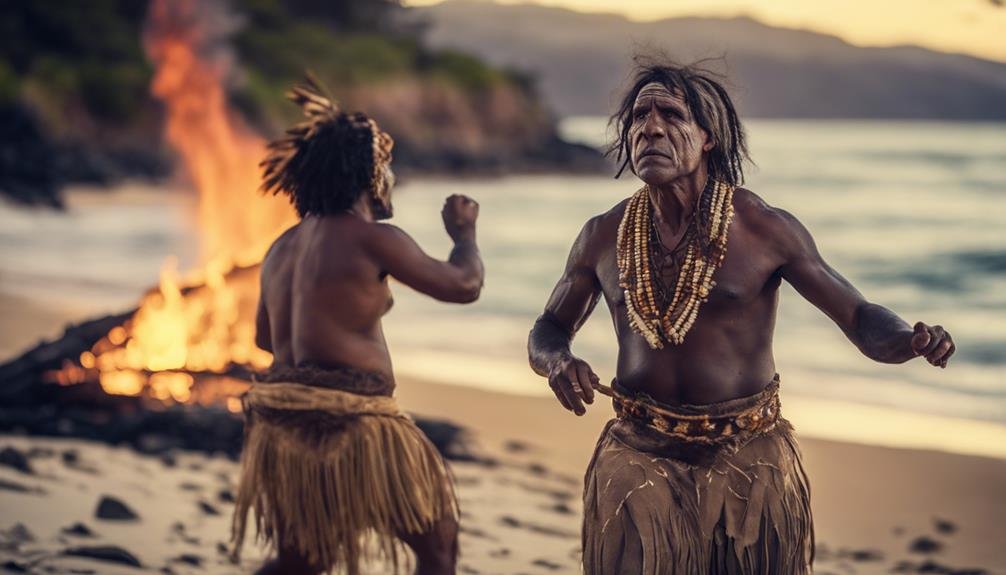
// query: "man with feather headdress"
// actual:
[[331, 466]]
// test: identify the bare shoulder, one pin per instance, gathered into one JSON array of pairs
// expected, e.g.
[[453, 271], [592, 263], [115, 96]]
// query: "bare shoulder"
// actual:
[[280, 245], [774, 225], [603, 226], [381, 235]]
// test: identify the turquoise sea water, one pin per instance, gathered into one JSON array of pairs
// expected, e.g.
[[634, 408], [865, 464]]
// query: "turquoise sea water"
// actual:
[[914, 214]]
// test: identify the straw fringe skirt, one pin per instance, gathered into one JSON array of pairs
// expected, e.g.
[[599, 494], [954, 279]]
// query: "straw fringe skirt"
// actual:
[[324, 470], [654, 505]]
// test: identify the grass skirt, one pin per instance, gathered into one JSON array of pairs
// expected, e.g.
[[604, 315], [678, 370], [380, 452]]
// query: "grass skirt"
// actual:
[[657, 504], [325, 469]]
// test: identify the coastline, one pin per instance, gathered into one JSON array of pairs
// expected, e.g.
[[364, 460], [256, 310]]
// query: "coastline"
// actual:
[[864, 496], [27, 321], [872, 504]]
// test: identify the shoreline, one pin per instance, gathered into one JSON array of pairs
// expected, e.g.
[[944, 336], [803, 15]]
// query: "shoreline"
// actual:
[[27, 322], [829, 419], [873, 505], [864, 497]]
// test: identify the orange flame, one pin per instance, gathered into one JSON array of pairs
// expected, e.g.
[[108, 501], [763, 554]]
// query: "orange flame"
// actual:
[[210, 327]]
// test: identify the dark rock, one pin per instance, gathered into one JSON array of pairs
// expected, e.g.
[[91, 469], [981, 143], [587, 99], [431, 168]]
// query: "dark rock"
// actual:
[[178, 528], [560, 508], [189, 486], [865, 555], [222, 548], [537, 469], [499, 553], [208, 509], [474, 532], [15, 566], [903, 567], [109, 553], [78, 529], [18, 533], [189, 559], [515, 446], [931, 566], [19, 488], [547, 564], [511, 521], [169, 460], [451, 440], [114, 509], [944, 526], [925, 544], [225, 496], [71, 457], [16, 459]]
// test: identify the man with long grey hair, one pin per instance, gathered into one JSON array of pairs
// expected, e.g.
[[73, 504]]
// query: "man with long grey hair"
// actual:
[[699, 472]]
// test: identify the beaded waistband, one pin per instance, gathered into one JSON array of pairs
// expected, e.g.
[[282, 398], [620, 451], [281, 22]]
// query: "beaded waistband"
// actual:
[[716, 423]]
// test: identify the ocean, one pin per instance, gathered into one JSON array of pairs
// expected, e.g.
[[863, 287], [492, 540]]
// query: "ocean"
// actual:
[[913, 214]]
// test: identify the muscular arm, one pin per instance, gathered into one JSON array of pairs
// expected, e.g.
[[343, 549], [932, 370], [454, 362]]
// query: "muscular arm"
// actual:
[[457, 280], [876, 331], [570, 304]]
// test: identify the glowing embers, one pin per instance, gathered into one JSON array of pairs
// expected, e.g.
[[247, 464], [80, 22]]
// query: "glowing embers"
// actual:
[[205, 328]]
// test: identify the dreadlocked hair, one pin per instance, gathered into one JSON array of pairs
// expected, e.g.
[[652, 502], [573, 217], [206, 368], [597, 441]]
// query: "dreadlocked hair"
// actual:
[[326, 162], [710, 106]]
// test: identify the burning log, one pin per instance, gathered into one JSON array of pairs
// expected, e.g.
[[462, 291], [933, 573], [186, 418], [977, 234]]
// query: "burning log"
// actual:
[[46, 391], [35, 402]]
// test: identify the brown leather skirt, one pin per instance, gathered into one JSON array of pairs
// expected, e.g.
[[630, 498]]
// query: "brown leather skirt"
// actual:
[[668, 492]]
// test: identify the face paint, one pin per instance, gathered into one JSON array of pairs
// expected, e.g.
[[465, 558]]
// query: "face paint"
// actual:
[[666, 142]]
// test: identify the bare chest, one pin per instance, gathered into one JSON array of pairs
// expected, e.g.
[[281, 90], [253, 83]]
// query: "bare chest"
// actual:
[[748, 274]]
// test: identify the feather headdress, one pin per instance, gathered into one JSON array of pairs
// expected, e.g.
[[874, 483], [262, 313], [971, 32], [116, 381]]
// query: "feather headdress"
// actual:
[[293, 162]]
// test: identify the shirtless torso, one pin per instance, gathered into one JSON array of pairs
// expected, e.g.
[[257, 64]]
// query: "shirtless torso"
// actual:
[[728, 351], [325, 285], [324, 292]]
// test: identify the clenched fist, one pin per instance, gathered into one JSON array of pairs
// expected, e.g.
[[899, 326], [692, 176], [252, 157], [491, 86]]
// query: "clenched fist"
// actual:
[[934, 343], [460, 213]]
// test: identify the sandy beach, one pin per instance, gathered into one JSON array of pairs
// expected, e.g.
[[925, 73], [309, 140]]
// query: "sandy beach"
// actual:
[[876, 509]]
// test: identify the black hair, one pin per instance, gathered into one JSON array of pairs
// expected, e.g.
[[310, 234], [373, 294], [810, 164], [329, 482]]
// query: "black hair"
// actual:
[[710, 106], [326, 172], [328, 161]]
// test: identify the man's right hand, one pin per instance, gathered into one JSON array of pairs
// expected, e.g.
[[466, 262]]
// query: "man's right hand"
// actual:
[[460, 213], [571, 379]]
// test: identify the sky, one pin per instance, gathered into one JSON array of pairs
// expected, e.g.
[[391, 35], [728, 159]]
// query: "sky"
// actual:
[[975, 27]]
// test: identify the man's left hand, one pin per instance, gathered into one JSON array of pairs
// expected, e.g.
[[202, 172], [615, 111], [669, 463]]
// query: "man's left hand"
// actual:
[[934, 343]]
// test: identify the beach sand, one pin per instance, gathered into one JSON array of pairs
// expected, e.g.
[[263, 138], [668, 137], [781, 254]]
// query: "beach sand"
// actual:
[[871, 504]]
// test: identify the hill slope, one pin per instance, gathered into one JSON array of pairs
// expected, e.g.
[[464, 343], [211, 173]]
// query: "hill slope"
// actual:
[[582, 60]]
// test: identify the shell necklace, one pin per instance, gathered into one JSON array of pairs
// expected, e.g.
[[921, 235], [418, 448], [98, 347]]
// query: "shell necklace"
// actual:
[[707, 246]]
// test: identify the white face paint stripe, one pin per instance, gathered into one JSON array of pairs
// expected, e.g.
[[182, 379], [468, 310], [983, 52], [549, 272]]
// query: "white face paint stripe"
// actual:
[[656, 88]]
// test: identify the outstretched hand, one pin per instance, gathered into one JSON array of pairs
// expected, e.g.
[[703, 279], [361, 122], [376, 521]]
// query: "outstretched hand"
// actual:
[[571, 379], [460, 213], [934, 343]]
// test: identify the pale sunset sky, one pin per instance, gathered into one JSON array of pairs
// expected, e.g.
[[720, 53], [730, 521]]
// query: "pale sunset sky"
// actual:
[[975, 27]]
